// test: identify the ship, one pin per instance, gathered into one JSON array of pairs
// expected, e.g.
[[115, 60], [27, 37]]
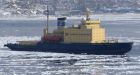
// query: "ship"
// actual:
[[88, 37]]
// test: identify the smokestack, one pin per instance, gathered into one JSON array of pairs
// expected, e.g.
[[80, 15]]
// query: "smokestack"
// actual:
[[61, 22]]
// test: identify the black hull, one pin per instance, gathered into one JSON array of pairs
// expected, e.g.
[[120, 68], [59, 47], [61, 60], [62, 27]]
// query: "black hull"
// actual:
[[79, 48]]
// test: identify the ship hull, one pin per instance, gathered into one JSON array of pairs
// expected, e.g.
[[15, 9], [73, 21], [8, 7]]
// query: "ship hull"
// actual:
[[76, 48]]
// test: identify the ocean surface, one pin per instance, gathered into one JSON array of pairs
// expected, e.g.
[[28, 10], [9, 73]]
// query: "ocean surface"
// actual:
[[44, 63]]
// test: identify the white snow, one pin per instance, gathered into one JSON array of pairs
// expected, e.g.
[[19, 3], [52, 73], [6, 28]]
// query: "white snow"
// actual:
[[102, 17]]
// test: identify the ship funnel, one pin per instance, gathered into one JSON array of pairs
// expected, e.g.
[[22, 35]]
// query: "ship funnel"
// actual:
[[61, 22]]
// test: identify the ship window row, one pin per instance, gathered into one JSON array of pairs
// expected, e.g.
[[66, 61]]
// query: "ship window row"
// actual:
[[77, 34], [91, 23]]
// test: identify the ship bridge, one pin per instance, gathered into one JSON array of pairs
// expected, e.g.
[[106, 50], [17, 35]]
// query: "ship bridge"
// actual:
[[88, 31]]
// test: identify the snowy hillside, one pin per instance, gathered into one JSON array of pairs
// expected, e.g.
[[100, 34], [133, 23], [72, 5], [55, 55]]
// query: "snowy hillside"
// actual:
[[67, 7]]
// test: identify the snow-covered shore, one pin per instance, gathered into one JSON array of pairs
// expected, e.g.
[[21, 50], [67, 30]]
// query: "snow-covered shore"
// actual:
[[103, 17]]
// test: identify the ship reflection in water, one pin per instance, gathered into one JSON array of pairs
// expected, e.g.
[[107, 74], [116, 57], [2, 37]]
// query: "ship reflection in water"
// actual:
[[35, 63]]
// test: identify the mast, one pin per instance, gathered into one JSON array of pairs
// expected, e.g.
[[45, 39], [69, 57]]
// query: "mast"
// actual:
[[87, 14], [46, 29], [47, 26]]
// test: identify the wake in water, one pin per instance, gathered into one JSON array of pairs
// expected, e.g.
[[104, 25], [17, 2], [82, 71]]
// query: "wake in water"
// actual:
[[37, 63]]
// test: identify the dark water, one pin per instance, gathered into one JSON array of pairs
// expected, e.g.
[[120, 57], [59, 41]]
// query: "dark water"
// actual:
[[37, 63]]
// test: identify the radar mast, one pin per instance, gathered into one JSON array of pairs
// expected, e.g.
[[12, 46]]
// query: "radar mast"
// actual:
[[88, 12]]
